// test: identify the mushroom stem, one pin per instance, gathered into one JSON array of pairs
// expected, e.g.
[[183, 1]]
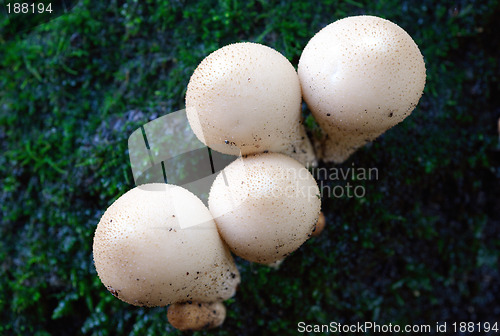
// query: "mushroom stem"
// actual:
[[499, 130], [302, 149], [192, 316], [277, 264], [337, 146], [320, 225]]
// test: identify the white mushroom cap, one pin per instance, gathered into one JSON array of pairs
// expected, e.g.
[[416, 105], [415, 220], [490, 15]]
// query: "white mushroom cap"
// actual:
[[265, 206], [158, 244], [246, 97], [191, 316], [360, 76]]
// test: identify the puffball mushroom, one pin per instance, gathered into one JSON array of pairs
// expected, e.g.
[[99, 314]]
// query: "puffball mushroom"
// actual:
[[265, 206], [158, 244], [192, 316], [360, 76], [245, 97]]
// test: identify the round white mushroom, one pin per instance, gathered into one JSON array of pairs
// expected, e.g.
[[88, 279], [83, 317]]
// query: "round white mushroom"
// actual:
[[246, 97], [265, 206], [360, 76], [158, 244]]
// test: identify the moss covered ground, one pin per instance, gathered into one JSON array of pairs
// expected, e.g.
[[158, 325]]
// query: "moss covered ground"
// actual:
[[422, 246]]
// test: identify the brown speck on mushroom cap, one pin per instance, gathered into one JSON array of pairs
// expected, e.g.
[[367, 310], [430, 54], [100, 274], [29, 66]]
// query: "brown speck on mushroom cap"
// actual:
[[246, 97], [142, 261], [367, 73], [192, 316], [272, 213]]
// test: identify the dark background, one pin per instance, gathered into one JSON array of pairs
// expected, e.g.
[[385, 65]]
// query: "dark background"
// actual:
[[421, 247]]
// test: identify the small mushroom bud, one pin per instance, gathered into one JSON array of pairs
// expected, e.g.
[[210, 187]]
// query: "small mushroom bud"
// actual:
[[498, 129], [192, 316], [246, 97], [265, 206], [320, 225], [158, 244], [359, 76]]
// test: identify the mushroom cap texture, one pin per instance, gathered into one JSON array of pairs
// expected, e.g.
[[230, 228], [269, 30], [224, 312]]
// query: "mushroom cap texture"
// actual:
[[245, 96], [158, 244], [192, 316], [361, 74], [265, 206]]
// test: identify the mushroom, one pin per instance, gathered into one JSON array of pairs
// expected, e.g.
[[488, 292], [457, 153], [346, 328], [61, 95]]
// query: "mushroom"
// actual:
[[192, 316], [265, 206], [320, 225], [158, 244], [360, 76], [244, 99]]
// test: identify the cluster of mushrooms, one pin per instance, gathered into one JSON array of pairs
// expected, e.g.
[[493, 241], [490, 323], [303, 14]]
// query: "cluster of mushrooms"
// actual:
[[159, 245]]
